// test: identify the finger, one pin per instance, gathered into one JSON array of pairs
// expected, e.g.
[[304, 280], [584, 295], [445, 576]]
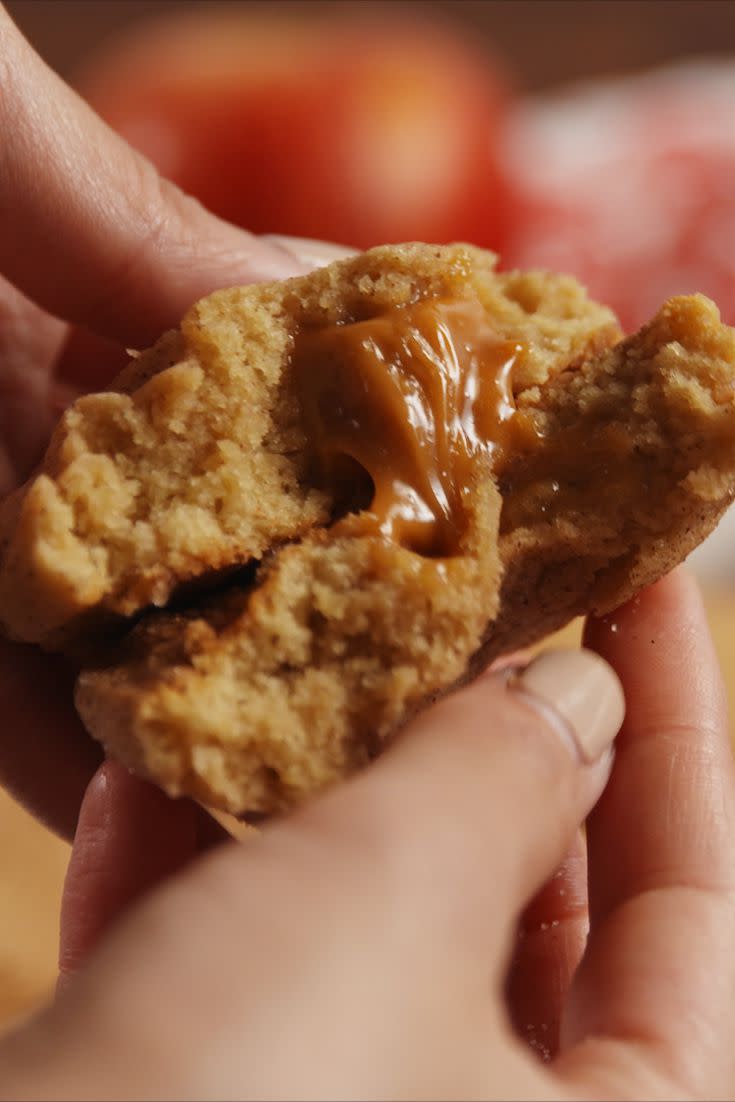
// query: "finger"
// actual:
[[424, 861], [314, 253], [550, 942], [87, 361], [47, 759], [130, 837], [89, 230], [516, 658], [659, 973], [475, 805], [29, 340]]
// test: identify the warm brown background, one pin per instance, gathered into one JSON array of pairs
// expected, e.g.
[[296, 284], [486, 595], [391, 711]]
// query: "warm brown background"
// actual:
[[544, 42]]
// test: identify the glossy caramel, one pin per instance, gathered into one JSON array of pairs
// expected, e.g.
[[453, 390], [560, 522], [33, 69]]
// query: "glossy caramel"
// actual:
[[414, 398]]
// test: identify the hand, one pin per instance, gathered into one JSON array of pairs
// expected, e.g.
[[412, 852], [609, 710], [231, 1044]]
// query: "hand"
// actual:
[[89, 233], [380, 943]]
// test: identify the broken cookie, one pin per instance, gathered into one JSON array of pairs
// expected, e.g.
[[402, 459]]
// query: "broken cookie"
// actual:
[[199, 458], [414, 463]]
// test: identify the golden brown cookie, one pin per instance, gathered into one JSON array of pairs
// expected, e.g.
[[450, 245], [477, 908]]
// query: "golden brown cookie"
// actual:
[[195, 460], [560, 481]]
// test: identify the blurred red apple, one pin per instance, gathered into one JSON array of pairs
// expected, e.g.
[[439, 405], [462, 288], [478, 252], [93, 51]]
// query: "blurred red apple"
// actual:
[[361, 130]]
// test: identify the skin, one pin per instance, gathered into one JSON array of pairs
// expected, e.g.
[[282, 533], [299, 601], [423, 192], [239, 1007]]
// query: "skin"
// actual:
[[417, 932], [89, 233]]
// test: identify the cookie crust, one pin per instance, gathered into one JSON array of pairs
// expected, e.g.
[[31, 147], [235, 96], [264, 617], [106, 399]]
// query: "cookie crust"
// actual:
[[265, 693], [194, 460]]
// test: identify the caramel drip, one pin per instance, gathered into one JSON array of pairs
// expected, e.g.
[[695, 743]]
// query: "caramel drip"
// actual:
[[413, 397]]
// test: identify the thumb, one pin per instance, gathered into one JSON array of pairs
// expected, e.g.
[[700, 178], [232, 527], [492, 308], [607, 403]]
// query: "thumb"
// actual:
[[473, 808]]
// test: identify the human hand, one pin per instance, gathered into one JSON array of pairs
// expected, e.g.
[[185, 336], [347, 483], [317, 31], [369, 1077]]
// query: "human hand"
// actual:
[[97, 254], [380, 942]]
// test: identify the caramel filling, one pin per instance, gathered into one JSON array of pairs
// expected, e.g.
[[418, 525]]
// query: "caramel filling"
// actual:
[[401, 406]]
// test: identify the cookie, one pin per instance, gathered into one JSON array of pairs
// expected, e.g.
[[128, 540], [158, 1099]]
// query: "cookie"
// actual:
[[530, 476], [196, 460]]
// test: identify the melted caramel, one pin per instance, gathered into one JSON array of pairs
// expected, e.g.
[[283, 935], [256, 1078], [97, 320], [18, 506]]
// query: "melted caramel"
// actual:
[[413, 397]]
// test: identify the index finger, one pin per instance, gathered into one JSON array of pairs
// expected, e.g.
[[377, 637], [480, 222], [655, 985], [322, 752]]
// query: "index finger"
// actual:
[[659, 973], [90, 231]]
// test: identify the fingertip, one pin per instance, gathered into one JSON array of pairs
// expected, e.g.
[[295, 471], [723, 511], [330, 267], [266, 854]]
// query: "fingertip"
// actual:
[[109, 777], [309, 252], [676, 591], [579, 695], [661, 646], [115, 792], [95, 800], [130, 836]]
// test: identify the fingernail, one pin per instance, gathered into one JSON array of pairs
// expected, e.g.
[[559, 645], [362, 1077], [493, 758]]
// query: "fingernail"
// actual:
[[306, 250], [579, 694]]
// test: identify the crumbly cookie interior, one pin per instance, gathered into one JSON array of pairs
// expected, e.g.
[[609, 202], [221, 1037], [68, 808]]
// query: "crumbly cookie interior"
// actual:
[[377, 477], [269, 692], [195, 460]]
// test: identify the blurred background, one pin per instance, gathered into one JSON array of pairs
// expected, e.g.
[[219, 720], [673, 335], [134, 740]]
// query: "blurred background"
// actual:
[[590, 136]]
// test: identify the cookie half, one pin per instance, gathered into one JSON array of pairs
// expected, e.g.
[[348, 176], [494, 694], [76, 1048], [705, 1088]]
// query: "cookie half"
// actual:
[[559, 483], [197, 459]]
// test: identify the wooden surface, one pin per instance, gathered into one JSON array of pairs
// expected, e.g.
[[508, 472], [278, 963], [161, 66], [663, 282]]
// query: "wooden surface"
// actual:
[[32, 865]]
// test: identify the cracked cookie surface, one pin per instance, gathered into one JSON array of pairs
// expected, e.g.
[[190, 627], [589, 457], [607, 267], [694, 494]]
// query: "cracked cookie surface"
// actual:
[[382, 476], [288, 682], [195, 460]]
